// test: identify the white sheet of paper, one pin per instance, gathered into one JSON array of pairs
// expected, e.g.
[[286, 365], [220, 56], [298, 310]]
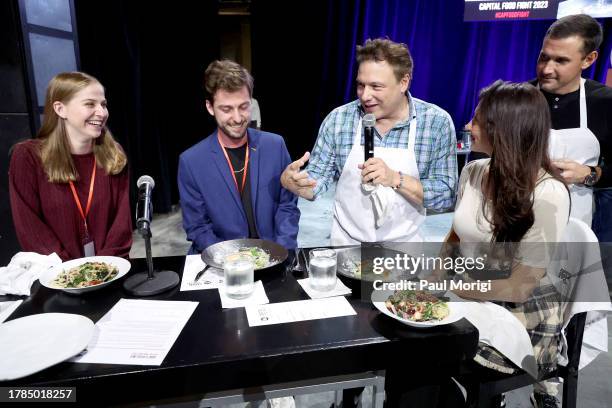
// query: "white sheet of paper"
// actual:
[[138, 332], [213, 278], [297, 311], [7, 308]]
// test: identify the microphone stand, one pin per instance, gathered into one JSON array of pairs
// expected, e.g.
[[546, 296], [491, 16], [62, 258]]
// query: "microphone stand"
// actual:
[[147, 237], [150, 283]]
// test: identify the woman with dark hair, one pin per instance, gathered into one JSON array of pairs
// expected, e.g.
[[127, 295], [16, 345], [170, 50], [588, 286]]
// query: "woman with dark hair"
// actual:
[[517, 204], [69, 187]]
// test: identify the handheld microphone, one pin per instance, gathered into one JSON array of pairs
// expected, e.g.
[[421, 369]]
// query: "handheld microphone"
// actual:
[[144, 206], [369, 121]]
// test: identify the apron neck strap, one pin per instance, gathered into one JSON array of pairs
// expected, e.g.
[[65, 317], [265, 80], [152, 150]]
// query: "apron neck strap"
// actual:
[[583, 107], [411, 133]]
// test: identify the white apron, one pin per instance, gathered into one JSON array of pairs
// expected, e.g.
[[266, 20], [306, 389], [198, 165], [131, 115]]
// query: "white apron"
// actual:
[[580, 145], [354, 220]]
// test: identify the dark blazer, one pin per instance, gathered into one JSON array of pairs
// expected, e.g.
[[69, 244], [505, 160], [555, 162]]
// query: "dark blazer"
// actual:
[[211, 206]]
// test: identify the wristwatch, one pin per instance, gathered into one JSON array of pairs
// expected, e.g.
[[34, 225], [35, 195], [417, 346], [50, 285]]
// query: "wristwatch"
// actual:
[[401, 181], [591, 178]]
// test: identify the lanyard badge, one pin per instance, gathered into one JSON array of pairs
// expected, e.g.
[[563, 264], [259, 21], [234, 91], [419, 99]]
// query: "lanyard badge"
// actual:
[[88, 244], [246, 165]]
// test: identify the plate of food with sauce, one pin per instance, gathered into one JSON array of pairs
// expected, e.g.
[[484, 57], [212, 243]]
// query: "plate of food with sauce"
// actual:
[[418, 308], [85, 274]]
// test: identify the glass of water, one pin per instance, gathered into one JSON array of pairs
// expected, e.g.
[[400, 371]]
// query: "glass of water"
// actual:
[[239, 276], [466, 137], [322, 266]]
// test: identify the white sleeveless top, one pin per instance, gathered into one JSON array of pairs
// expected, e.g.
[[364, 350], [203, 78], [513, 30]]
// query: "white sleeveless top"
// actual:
[[551, 210]]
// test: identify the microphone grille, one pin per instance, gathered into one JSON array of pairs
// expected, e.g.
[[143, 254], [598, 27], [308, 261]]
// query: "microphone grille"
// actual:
[[145, 179], [369, 120]]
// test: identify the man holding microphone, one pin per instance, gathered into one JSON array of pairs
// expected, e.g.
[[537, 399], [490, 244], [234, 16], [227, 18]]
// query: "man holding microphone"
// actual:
[[414, 167]]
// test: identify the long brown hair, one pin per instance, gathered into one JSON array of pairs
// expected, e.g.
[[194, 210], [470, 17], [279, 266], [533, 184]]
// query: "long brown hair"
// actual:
[[55, 146], [515, 118]]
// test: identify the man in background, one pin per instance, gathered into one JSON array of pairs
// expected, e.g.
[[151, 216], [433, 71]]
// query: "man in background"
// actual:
[[580, 110], [581, 114]]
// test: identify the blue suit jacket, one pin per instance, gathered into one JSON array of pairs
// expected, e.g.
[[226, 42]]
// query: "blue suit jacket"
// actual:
[[212, 210]]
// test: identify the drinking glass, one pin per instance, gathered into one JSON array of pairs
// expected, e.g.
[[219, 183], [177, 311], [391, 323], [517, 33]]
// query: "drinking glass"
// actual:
[[466, 137], [239, 276], [322, 269]]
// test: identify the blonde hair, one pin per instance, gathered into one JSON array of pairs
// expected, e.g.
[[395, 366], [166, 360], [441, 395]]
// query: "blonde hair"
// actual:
[[55, 146]]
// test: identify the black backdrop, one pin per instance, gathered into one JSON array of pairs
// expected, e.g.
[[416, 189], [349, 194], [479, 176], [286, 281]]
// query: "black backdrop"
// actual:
[[294, 85], [151, 58], [303, 63], [152, 64]]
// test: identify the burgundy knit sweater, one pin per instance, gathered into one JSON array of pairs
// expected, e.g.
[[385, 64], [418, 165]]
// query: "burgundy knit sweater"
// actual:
[[46, 216]]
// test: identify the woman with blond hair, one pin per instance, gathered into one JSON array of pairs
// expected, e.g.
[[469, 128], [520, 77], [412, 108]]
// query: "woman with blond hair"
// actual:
[[69, 187]]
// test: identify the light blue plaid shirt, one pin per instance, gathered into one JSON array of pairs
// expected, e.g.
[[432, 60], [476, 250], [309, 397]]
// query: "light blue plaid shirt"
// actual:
[[435, 149]]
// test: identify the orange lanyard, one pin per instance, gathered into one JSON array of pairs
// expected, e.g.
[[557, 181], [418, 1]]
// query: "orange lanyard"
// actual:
[[246, 164], [89, 198]]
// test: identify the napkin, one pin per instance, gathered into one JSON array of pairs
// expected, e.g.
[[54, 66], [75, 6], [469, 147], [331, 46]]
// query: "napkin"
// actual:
[[25, 267], [382, 200], [213, 278], [339, 290], [500, 329], [577, 273], [258, 297], [595, 336]]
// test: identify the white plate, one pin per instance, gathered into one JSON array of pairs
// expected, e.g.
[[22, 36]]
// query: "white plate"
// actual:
[[47, 277], [32, 343], [456, 309], [7, 309]]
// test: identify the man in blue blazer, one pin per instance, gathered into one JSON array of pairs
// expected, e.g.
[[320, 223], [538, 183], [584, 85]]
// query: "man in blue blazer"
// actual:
[[229, 183]]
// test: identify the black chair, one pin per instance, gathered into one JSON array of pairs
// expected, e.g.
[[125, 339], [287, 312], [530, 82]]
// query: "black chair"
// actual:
[[485, 386]]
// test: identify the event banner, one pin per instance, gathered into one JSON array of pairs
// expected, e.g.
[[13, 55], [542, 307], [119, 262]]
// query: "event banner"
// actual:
[[485, 10]]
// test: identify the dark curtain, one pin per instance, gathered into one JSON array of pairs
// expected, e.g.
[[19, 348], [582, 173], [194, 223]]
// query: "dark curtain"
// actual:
[[304, 58], [151, 64], [303, 61], [288, 65]]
